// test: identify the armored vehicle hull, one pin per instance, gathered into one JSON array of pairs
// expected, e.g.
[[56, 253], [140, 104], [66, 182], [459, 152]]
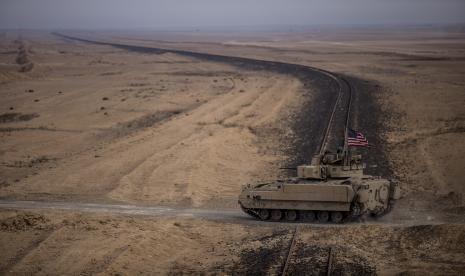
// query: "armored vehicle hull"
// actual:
[[335, 200]]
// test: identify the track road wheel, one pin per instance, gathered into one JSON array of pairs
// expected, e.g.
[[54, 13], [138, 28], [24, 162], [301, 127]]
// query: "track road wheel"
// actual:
[[323, 216], [308, 216], [276, 215], [264, 214], [336, 217], [291, 215]]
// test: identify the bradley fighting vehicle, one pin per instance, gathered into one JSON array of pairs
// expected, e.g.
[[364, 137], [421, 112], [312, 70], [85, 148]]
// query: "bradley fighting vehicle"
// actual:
[[333, 187]]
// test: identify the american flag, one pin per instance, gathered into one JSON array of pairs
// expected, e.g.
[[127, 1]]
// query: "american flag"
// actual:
[[356, 139]]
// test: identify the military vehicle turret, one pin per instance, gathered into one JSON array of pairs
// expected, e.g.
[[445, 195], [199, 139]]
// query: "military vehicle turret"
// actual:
[[332, 188]]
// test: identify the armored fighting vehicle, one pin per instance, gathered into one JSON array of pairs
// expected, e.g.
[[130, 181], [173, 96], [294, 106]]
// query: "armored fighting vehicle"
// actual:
[[333, 187]]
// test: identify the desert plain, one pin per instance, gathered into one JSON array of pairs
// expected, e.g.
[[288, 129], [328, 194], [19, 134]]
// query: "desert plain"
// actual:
[[85, 128]]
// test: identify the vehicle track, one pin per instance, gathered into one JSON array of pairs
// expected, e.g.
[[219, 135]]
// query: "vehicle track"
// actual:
[[340, 116], [289, 252]]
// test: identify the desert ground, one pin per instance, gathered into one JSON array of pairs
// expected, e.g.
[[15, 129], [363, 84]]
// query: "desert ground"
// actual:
[[84, 123]]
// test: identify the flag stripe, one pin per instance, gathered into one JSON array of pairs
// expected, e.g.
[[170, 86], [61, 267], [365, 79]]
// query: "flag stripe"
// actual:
[[356, 138]]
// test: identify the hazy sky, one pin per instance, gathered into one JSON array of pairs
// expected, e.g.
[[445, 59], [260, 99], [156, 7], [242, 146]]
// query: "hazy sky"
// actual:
[[163, 14]]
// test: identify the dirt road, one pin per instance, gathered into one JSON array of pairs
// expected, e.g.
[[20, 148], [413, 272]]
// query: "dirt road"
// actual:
[[227, 215]]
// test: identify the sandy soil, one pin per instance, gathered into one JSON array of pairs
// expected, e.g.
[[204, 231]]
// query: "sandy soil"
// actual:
[[100, 124], [114, 244], [133, 127]]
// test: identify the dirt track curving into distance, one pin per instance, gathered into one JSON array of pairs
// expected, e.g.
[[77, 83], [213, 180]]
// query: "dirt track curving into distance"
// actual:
[[287, 119], [312, 132]]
